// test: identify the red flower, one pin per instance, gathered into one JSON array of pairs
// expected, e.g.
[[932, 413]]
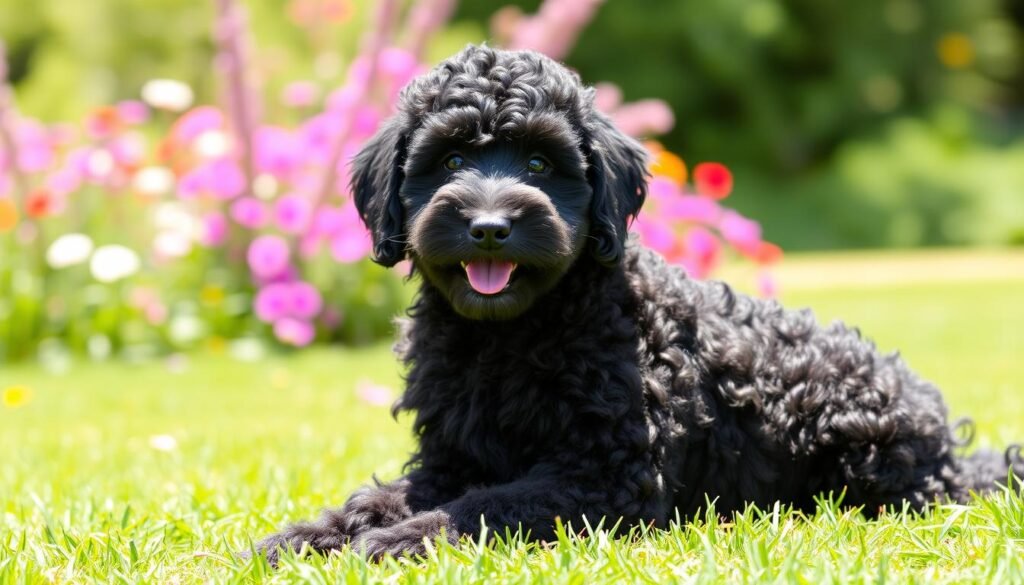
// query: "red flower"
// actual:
[[39, 203], [713, 180]]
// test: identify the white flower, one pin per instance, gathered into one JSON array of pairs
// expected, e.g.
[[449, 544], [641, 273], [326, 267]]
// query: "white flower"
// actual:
[[265, 186], [100, 163], [68, 250], [153, 180], [167, 94], [112, 263], [170, 216], [212, 144], [163, 443], [172, 244]]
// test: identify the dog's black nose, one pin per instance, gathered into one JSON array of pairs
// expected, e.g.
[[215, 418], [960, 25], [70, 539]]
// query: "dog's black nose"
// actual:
[[490, 231]]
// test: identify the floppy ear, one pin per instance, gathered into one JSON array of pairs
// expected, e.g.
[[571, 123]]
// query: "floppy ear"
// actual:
[[618, 177], [377, 176]]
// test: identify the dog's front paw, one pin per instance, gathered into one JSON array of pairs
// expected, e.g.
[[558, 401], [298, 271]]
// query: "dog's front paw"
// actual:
[[373, 507], [319, 537], [407, 538]]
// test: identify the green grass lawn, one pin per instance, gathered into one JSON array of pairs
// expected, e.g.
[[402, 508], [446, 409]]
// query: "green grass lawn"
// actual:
[[114, 473]]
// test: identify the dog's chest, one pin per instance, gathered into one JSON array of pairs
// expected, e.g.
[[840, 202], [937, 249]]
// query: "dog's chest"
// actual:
[[510, 415], [497, 409]]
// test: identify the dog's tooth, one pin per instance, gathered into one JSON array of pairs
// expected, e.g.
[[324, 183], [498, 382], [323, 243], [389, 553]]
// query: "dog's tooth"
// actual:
[[463, 264]]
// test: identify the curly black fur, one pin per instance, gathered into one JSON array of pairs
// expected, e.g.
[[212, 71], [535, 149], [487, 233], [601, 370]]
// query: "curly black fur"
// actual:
[[602, 383]]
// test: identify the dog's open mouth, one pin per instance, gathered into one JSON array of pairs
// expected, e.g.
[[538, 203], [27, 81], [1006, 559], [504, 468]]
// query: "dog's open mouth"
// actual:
[[489, 276]]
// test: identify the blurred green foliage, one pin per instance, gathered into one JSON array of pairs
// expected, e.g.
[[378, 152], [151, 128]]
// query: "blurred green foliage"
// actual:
[[849, 124], [783, 83]]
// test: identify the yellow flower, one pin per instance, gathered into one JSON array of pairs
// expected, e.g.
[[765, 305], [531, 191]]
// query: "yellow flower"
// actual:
[[956, 50], [16, 396], [216, 344], [211, 294], [666, 164]]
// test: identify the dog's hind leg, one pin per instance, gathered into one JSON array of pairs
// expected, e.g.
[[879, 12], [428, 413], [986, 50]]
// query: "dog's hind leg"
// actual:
[[986, 470]]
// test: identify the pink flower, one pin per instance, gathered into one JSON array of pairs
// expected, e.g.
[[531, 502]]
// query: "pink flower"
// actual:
[[351, 245], [767, 286], [316, 137], [129, 149], [329, 221], [702, 252], [399, 66], [294, 332], [309, 244], [196, 121], [215, 229], [358, 74], [374, 394], [744, 234], [35, 147], [300, 94], [343, 99], [277, 151], [293, 213], [64, 181], [132, 112], [644, 118], [691, 208], [655, 234], [279, 300], [272, 302], [249, 212], [344, 170], [221, 178], [191, 184], [304, 300], [268, 256], [662, 188], [366, 121], [607, 96], [225, 179]]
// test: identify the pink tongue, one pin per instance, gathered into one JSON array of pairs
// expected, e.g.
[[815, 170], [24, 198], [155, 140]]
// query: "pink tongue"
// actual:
[[489, 277]]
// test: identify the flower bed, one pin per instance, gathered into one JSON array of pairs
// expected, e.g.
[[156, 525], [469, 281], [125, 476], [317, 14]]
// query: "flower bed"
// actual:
[[160, 225]]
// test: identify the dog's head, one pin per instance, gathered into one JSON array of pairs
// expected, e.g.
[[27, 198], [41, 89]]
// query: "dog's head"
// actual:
[[494, 177]]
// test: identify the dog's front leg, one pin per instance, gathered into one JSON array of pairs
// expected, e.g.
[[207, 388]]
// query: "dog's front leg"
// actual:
[[369, 507], [531, 505], [374, 506]]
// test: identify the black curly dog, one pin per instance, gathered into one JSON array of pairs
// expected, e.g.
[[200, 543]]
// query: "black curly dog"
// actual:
[[558, 370]]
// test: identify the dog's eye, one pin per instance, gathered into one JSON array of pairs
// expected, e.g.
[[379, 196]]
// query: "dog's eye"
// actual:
[[454, 162], [537, 165]]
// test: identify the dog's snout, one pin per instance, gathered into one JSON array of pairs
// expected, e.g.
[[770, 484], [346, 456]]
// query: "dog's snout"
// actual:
[[490, 231]]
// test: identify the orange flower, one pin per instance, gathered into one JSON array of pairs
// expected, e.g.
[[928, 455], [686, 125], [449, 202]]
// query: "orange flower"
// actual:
[[39, 203], [666, 164], [713, 180], [8, 215], [767, 253], [103, 121], [337, 11]]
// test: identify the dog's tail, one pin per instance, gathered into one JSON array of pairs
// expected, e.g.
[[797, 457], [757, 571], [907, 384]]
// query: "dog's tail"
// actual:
[[985, 470]]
